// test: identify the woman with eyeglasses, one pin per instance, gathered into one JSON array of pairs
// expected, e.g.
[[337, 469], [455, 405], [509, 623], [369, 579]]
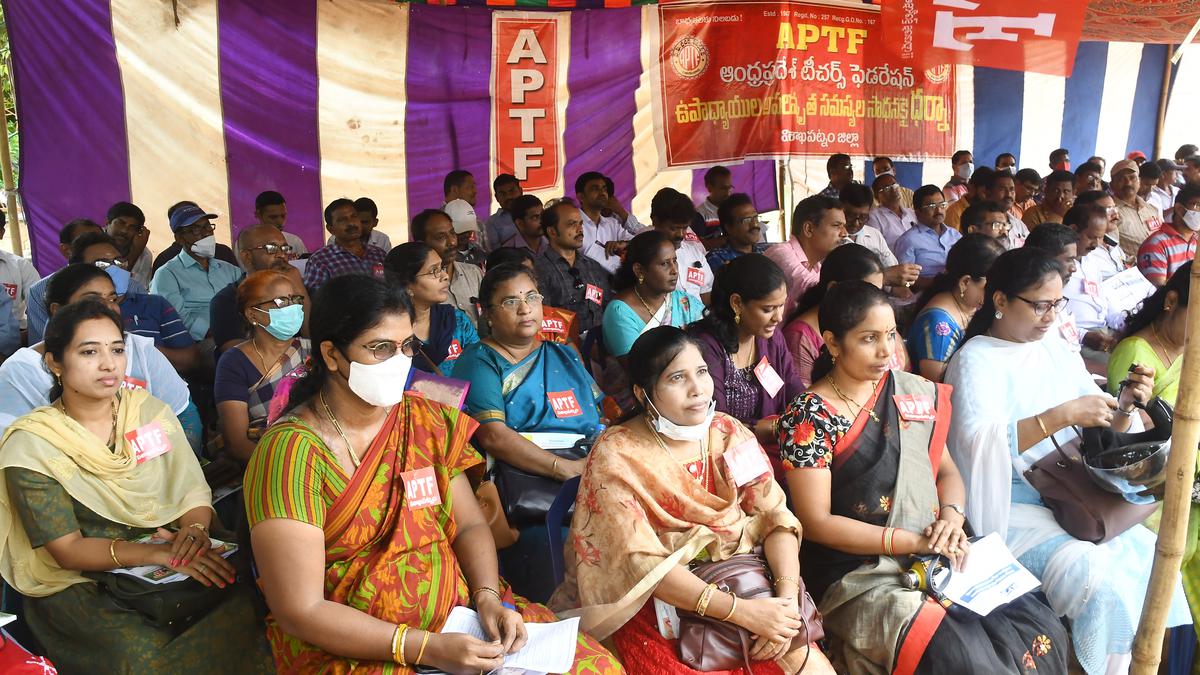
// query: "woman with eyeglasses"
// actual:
[[946, 307], [522, 385], [365, 530], [444, 330], [1013, 389], [249, 375]]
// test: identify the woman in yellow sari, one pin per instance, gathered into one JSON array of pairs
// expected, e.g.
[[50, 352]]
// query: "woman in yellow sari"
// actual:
[[365, 531]]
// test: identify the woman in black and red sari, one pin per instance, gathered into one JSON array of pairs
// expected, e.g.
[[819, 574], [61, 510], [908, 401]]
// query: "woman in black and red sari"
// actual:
[[872, 485]]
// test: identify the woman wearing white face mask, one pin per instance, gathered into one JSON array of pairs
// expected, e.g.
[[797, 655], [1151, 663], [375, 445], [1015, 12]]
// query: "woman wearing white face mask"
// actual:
[[248, 376], [365, 531], [677, 484]]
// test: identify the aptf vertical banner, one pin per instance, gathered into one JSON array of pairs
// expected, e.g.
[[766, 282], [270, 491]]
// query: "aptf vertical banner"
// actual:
[[530, 53]]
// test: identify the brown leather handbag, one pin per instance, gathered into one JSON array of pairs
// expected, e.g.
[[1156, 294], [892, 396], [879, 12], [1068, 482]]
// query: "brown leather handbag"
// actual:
[[707, 643], [1082, 508]]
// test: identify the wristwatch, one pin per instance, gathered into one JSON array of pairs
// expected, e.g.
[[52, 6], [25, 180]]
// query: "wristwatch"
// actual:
[[955, 507]]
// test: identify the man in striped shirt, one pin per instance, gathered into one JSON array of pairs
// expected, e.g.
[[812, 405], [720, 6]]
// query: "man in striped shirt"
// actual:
[[1175, 242]]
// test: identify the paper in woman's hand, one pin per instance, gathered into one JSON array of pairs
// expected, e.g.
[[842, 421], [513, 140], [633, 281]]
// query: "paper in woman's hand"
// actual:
[[992, 577]]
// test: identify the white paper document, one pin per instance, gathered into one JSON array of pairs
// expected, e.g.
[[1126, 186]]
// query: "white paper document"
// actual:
[[1125, 290], [550, 649], [992, 577], [552, 441], [165, 575]]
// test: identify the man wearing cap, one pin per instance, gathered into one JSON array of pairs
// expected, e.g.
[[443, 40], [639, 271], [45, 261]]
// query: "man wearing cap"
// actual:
[[224, 253], [1138, 219], [191, 279], [466, 228], [1163, 193], [348, 254]]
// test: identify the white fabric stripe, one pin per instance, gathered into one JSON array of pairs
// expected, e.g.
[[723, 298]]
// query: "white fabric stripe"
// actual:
[[360, 109], [1116, 105], [1041, 119], [647, 176], [173, 118], [1180, 125]]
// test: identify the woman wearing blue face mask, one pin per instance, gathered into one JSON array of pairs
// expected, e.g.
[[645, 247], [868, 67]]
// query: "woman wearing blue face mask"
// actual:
[[249, 374]]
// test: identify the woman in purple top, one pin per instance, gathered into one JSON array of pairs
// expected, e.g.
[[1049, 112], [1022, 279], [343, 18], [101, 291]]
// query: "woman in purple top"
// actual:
[[752, 371]]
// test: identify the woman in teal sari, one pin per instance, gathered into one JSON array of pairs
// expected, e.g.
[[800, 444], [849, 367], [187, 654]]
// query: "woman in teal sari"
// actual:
[[523, 389]]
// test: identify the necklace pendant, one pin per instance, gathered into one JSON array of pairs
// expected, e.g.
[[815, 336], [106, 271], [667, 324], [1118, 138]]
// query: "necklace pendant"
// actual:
[[873, 415]]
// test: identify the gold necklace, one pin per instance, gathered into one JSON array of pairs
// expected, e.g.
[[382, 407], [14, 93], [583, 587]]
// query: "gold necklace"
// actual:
[[329, 413], [112, 435], [961, 315], [703, 479], [511, 353], [645, 304], [1167, 361], [847, 400]]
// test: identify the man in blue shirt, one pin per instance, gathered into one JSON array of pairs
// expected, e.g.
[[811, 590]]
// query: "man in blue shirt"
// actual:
[[928, 241], [738, 220], [191, 279]]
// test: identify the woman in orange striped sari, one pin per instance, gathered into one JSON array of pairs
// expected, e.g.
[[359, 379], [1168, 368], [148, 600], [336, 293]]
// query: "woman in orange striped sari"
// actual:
[[365, 532]]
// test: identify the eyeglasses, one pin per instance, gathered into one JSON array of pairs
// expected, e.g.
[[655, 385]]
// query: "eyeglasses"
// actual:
[[435, 271], [997, 225], [894, 187], [935, 205], [105, 263], [749, 220], [511, 304], [383, 350], [198, 228], [272, 249], [284, 301], [859, 220], [1040, 307]]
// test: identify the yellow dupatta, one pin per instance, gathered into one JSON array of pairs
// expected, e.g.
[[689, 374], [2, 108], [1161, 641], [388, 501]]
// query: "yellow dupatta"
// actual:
[[111, 484]]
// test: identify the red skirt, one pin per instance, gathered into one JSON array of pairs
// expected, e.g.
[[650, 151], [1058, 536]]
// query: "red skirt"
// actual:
[[645, 651]]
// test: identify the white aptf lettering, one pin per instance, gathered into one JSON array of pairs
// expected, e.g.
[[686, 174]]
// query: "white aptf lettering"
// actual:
[[526, 46], [947, 24], [525, 159], [525, 81]]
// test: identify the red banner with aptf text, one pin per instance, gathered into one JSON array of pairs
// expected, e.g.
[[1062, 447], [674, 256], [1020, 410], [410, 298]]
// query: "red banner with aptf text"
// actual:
[[764, 80], [1034, 36]]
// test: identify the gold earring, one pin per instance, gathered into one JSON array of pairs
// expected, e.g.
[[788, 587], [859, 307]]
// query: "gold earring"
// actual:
[[737, 316], [641, 279]]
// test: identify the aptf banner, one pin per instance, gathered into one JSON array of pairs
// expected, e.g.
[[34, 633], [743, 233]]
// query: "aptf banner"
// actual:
[[766, 80], [1039, 37], [530, 52]]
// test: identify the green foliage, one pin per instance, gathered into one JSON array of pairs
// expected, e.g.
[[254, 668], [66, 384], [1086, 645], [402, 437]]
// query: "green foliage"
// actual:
[[10, 106]]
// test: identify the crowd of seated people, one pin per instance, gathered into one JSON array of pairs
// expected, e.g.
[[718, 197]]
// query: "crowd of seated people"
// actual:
[[696, 392]]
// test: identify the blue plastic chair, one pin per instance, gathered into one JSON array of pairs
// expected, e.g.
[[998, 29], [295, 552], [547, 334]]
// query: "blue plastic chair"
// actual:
[[555, 519]]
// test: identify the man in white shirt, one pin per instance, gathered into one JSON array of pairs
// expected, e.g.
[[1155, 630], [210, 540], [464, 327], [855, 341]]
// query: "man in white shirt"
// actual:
[[719, 182], [17, 274], [1001, 188], [671, 212], [604, 237], [1162, 194], [1109, 258], [890, 217], [856, 203], [271, 209]]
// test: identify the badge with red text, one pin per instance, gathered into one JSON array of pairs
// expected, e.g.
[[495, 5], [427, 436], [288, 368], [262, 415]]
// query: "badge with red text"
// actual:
[[691, 236], [421, 488], [695, 276], [564, 404], [552, 325], [377, 270], [915, 408], [1068, 330], [1091, 288], [453, 351], [746, 462], [12, 290], [595, 294], [1153, 224], [768, 378], [131, 382], [148, 441]]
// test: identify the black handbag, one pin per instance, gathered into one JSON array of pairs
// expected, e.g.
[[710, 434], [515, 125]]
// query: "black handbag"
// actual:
[[174, 606], [526, 497]]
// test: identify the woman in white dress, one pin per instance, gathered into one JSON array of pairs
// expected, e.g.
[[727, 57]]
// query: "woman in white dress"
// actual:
[[1012, 389]]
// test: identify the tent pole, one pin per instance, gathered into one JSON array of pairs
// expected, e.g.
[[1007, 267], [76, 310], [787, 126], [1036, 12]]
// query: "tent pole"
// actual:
[[1172, 530], [781, 180], [1162, 104], [6, 169]]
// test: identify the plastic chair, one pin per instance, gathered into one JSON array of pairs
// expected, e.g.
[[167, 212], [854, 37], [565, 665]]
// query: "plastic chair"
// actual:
[[556, 517]]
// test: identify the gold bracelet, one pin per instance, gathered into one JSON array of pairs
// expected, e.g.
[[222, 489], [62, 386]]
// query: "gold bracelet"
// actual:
[[421, 653], [398, 655], [554, 466], [889, 541], [200, 527], [487, 589], [395, 641], [705, 596], [1045, 434], [780, 580], [112, 551], [731, 609]]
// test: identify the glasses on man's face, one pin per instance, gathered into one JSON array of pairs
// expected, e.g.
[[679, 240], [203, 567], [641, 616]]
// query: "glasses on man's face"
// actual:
[[383, 350], [511, 304], [858, 220], [435, 271], [934, 206], [996, 225], [748, 221], [1040, 307], [105, 263], [284, 301], [272, 249], [197, 230], [894, 187]]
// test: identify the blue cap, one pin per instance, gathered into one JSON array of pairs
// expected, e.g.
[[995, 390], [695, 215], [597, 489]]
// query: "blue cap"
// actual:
[[187, 215]]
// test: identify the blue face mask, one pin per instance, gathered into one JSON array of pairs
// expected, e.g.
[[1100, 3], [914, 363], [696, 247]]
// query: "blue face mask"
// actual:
[[285, 321], [120, 278]]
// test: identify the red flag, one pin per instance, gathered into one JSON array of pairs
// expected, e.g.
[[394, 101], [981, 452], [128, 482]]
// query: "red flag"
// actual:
[[1040, 37]]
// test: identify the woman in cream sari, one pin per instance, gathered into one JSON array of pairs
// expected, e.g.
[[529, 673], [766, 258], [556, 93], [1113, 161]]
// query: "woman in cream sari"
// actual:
[[83, 479], [659, 493]]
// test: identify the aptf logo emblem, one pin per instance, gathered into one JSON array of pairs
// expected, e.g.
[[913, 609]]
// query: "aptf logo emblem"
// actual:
[[938, 74], [689, 57]]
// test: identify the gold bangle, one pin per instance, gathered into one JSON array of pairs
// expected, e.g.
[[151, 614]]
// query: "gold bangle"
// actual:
[[112, 551], [200, 527], [731, 609], [421, 652], [554, 466], [1045, 434], [705, 597], [398, 655], [889, 541], [780, 580], [486, 589], [395, 641]]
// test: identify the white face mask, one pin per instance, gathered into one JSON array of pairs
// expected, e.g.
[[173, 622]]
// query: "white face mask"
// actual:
[[679, 432], [965, 170], [889, 172], [381, 384], [206, 247], [1191, 219]]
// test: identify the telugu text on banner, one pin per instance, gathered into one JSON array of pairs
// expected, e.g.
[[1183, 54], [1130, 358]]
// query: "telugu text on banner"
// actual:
[[763, 80]]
